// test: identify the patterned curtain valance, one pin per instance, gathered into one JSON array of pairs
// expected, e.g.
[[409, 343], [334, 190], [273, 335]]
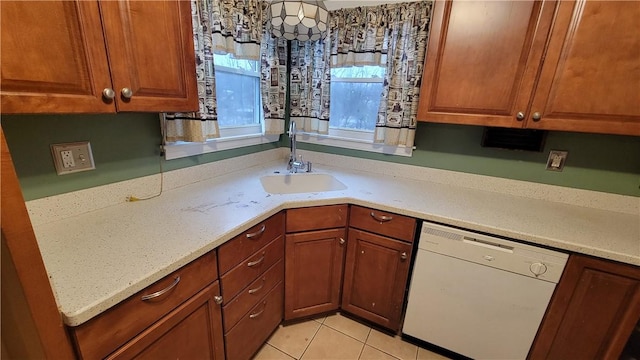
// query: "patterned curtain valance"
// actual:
[[236, 27]]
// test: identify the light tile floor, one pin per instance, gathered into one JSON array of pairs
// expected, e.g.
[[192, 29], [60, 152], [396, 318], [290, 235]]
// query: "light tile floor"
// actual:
[[338, 337]]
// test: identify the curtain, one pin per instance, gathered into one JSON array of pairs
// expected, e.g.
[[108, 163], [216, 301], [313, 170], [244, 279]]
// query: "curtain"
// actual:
[[310, 83], [273, 83], [393, 36], [231, 27], [202, 125]]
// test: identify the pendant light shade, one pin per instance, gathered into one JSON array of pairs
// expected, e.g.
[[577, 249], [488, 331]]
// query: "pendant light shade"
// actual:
[[298, 19]]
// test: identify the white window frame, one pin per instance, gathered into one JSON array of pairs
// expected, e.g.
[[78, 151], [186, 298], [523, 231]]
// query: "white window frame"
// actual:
[[352, 138], [231, 137]]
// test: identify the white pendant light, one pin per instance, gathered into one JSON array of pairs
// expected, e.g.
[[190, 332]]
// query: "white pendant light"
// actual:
[[298, 19]]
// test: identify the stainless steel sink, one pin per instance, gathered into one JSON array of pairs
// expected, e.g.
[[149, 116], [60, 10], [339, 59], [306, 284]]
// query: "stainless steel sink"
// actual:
[[300, 183]]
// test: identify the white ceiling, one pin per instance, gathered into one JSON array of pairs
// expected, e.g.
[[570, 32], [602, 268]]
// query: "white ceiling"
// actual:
[[337, 4]]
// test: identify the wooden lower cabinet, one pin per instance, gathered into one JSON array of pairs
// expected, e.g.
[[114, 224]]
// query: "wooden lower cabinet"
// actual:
[[191, 331], [314, 267], [592, 313], [375, 279], [256, 326]]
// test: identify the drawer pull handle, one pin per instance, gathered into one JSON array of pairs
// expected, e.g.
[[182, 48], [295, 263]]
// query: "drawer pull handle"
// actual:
[[253, 291], [161, 292], [257, 233], [218, 299], [257, 262], [253, 316], [382, 218]]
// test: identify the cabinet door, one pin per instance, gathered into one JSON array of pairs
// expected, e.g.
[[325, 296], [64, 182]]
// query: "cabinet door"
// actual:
[[150, 49], [313, 267], [592, 313], [375, 278], [53, 58], [590, 79], [192, 331], [482, 60]]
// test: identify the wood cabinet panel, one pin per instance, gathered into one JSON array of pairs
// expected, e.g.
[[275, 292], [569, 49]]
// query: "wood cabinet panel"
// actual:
[[254, 329], [60, 67], [375, 279], [314, 267], [478, 59], [592, 313], [316, 218], [148, 45], [246, 244], [59, 56], [239, 277], [591, 73], [236, 308], [191, 331], [111, 329], [383, 223]]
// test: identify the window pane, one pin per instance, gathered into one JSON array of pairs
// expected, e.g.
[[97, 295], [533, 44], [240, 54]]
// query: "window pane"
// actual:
[[236, 95], [354, 105], [361, 72], [237, 91]]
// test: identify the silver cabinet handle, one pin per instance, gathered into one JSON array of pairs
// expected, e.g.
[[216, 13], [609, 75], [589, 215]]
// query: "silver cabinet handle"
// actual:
[[382, 218], [126, 93], [108, 93], [342, 241], [161, 292], [536, 116], [520, 116], [253, 291], [257, 262], [218, 299], [403, 256], [257, 233], [255, 315]]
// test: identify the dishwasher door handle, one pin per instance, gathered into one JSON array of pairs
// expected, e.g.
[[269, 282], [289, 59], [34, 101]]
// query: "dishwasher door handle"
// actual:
[[487, 244]]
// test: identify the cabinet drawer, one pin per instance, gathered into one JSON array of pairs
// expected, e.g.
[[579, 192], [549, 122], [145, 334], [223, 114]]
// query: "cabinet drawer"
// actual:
[[249, 297], [244, 245], [256, 326], [316, 218], [249, 270], [103, 334], [383, 223]]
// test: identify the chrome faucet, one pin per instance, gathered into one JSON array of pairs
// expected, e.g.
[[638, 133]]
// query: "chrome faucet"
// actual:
[[295, 162]]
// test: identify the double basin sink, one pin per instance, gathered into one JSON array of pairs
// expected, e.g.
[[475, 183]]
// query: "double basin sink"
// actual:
[[300, 183]]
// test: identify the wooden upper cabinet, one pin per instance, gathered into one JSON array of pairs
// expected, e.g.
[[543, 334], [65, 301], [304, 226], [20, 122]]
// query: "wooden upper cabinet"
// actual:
[[478, 64], [150, 50], [567, 65], [53, 58], [59, 56], [590, 79]]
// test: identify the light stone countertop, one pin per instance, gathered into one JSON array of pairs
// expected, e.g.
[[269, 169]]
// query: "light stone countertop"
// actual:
[[98, 258]]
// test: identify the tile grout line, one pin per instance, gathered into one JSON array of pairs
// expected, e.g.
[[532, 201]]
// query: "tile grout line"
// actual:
[[310, 341]]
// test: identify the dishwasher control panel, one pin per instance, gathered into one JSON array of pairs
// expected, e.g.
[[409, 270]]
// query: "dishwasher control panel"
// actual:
[[523, 259]]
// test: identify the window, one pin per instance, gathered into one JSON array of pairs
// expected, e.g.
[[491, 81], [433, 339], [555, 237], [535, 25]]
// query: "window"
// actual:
[[360, 86], [239, 109], [355, 98], [238, 96]]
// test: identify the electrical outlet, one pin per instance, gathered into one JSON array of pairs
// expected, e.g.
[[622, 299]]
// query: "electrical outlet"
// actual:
[[556, 160], [72, 157], [67, 159]]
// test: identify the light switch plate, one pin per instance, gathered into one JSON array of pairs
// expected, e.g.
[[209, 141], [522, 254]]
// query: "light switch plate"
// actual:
[[72, 157], [556, 160]]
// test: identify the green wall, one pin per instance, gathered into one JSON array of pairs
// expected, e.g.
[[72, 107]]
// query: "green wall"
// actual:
[[126, 146]]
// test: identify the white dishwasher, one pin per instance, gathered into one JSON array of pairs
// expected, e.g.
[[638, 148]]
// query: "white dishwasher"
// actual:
[[479, 296]]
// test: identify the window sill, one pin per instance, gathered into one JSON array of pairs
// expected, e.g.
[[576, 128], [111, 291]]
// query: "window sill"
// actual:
[[355, 144], [184, 149]]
